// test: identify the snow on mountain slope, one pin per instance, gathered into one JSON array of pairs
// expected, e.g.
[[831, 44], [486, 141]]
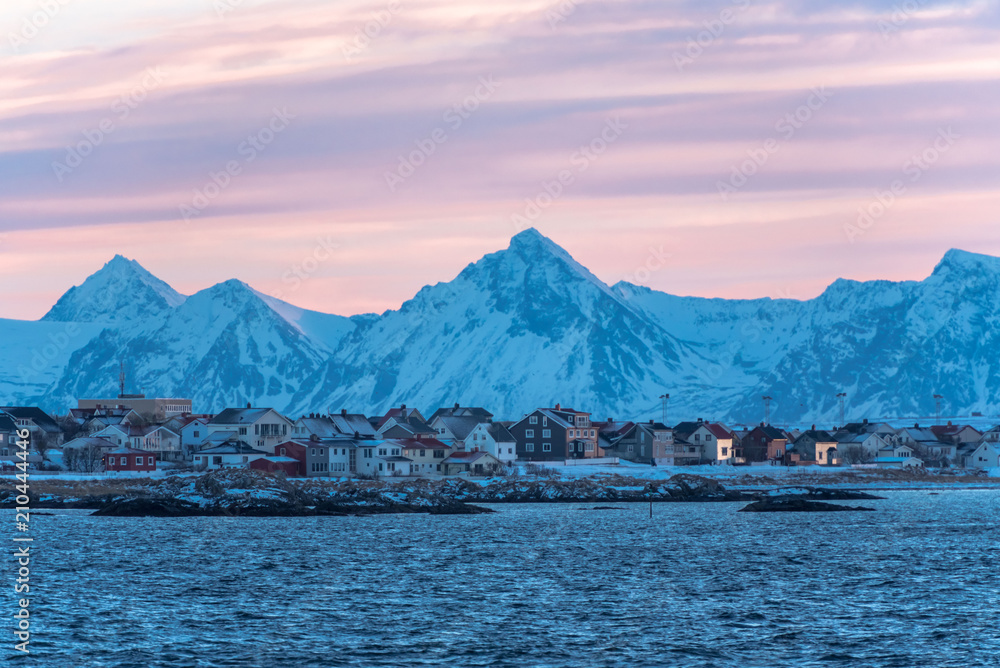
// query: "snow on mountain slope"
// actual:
[[524, 327], [33, 355], [223, 346], [122, 291]]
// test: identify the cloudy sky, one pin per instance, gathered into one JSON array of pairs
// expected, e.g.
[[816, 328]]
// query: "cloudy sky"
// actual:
[[733, 149]]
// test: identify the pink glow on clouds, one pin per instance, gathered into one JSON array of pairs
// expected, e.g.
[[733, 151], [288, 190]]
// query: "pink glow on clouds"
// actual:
[[781, 234]]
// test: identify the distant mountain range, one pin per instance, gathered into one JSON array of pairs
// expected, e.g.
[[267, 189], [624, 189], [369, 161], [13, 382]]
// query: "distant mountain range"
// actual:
[[525, 327]]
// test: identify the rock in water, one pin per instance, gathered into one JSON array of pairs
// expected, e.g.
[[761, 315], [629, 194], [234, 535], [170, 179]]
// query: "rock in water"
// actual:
[[796, 506]]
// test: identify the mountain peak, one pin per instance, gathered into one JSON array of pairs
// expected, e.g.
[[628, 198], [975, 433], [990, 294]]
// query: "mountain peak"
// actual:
[[957, 260], [121, 290]]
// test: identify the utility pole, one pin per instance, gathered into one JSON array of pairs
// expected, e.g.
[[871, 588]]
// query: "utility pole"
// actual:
[[664, 398], [767, 408], [842, 396], [937, 407]]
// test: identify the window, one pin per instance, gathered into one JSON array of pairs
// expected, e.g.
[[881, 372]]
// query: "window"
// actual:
[[630, 447], [111, 460], [282, 451], [708, 437], [546, 433], [243, 431], [546, 447], [380, 466], [510, 451], [642, 450], [195, 434], [138, 461], [533, 419], [590, 447], [245, 459], [725, 452], [321, 452], [592, 433], [529, 433], [312, 452], [642, 437], [529, 447], [256, 430], [545, 421]]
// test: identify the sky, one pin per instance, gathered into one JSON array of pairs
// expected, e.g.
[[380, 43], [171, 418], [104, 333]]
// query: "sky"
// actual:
[[342, 155]]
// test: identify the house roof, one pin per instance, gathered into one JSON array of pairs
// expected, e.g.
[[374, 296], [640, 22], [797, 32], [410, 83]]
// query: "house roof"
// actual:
[[89, 441], [240, 415], [500, 433], [685, 429], [562, 418], [7, 423], [231, 448], [280, 459], [944, 430], [350, 423], [818, 435], [400, 413], [395, 458], [475, 412], [123, 450], [717, 430], [420, 444], [770, 433], [460, 426], [319, 426], [36, 415]]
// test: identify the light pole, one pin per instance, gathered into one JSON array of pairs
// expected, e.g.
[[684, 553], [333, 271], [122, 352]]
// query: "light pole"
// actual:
[[842, 396], [767, 409], [664, 398]]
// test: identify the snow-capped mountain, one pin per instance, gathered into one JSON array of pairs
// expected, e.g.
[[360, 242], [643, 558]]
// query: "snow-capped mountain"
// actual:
[[524, 327], [123, 291]]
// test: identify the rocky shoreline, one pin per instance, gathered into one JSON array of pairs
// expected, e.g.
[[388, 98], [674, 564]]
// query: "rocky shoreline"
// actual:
[[238, 492]]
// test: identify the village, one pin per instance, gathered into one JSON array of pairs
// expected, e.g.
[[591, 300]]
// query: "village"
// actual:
[[138, 435]]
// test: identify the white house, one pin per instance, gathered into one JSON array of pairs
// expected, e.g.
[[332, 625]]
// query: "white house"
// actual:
[[230, 455], [260, 428], [382, 459], [494, 438], [155, 438], [985, 455], [714, 441]]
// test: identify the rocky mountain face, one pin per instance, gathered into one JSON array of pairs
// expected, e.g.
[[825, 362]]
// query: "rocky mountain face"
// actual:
[[525, 327]]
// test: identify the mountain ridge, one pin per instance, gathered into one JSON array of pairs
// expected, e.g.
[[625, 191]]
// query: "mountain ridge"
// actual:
[[528, 326]]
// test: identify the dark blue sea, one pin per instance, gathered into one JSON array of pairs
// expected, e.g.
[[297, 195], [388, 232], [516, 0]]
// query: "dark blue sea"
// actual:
[[915, 584]]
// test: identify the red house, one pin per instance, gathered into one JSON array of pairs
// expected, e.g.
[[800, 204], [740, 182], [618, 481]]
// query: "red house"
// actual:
[[129, 459], [272, 464]]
